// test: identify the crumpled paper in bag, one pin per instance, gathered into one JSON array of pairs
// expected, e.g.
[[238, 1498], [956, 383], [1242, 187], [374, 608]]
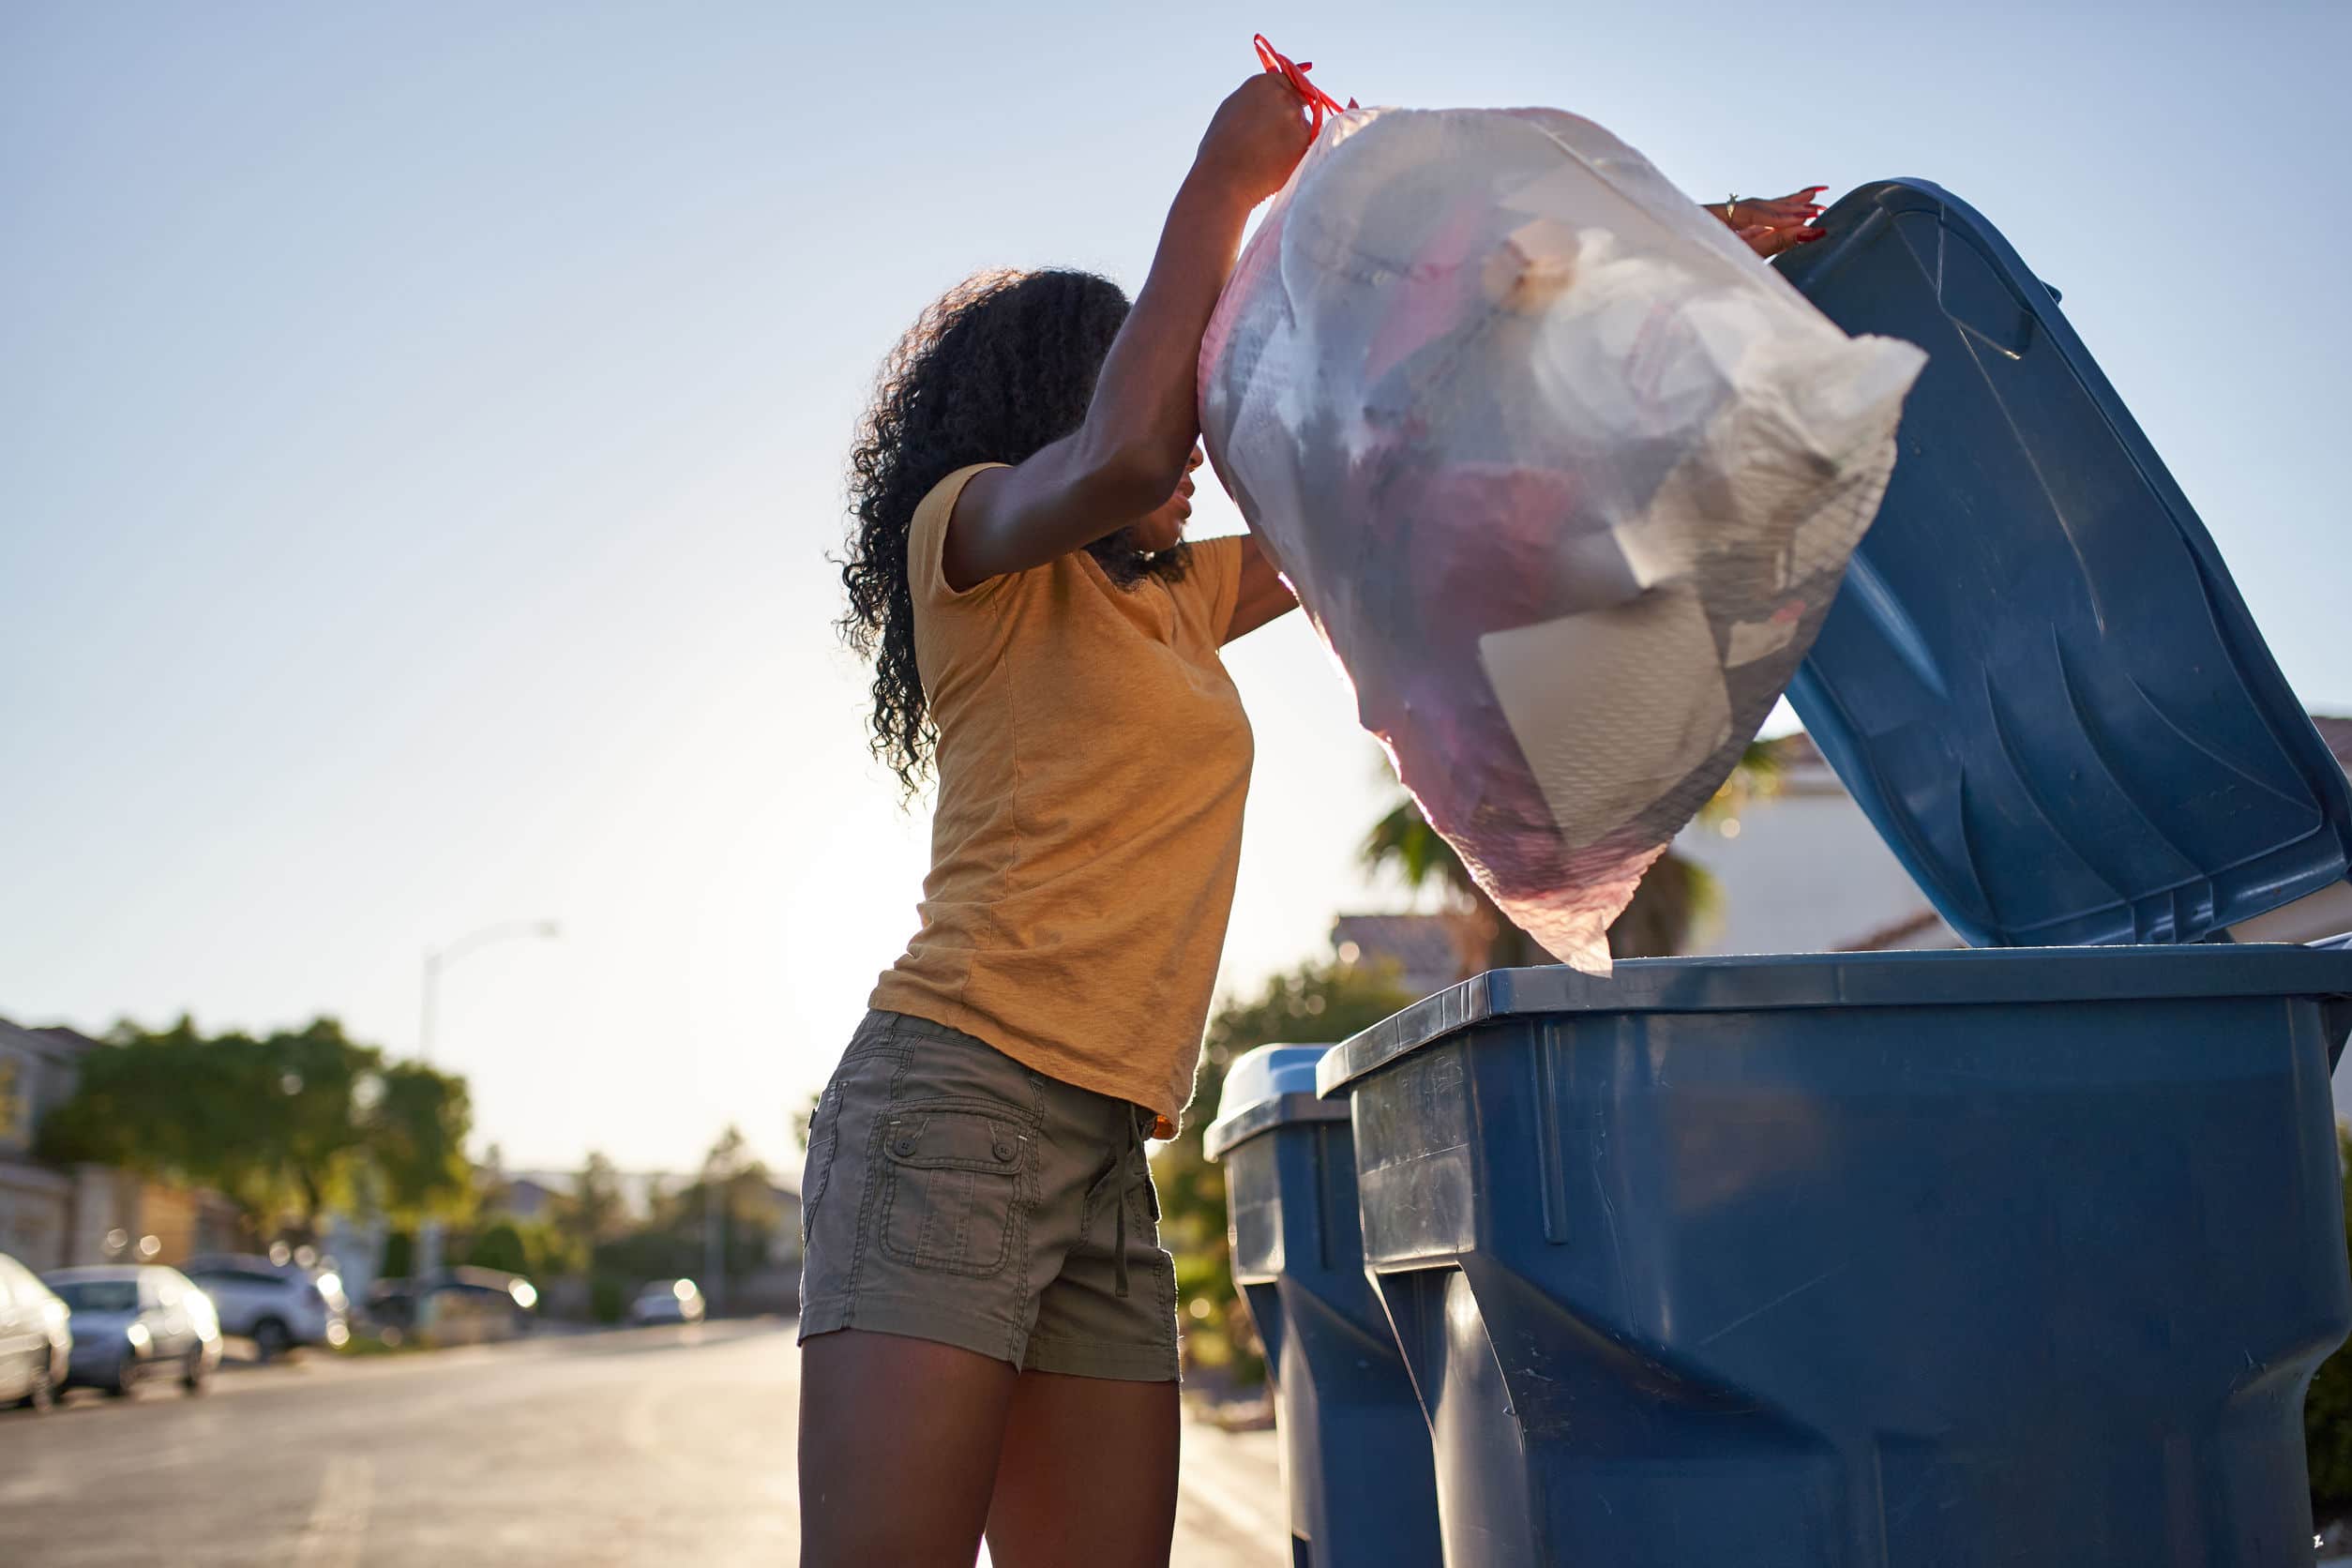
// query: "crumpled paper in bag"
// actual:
[[1565, 476]]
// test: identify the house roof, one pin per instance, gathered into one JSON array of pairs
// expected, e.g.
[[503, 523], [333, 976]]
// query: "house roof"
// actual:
[[639, 1189], [1893, 935], [1797, 750], [56, 1042], [1428, 949], [1416, 941], [2337, 732]]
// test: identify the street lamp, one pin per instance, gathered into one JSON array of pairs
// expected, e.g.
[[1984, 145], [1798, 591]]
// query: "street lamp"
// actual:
[[437, 959]]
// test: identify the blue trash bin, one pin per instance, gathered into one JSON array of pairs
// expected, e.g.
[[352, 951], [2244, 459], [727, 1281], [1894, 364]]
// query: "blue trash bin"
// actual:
[[1957, 1258], [1886, 1258], [1355, 1448]]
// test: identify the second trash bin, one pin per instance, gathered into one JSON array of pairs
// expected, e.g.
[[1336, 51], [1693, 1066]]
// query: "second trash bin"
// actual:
[[1355, 1449], [1852, 1260]]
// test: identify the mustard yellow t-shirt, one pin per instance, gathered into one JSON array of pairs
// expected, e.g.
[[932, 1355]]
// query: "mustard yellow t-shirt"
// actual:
[[1092, 759]]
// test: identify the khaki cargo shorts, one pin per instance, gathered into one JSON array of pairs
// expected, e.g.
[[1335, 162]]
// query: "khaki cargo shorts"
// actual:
[[953, 1195]]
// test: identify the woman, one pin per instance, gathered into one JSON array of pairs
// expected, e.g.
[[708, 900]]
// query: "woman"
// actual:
[[990, 1325], [989, 1321]]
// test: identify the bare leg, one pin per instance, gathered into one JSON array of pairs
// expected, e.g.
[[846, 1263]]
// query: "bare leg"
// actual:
[[898, 1442], [1088, 1478]]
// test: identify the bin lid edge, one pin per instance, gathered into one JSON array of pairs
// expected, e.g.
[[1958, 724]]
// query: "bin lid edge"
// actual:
[[2008, 976]]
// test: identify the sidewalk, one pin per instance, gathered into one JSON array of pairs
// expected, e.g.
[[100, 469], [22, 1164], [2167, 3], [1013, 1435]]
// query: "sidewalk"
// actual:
[[1231, 1510]]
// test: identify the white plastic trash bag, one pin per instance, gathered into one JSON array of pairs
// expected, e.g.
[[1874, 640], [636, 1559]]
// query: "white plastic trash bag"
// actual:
[[1564, 475]]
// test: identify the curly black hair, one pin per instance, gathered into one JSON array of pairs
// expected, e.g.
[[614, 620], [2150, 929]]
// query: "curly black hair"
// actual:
[[1002, 364]]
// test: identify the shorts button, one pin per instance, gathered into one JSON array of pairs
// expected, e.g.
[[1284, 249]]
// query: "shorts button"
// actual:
[[1004, 1150], [904, 1146]]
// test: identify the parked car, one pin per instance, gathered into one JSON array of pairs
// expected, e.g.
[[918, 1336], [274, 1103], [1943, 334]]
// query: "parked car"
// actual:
[[483, 1304], [35, 1338], [276, 1305], [391, 1305], [457, 1306], [668, 1301], [133, 1321]]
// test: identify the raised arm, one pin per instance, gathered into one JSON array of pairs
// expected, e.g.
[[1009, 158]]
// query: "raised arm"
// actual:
[[1129, 454], [1264, 595]]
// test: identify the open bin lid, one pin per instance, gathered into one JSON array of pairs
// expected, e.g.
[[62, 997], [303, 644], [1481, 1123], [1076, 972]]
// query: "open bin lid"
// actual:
[[1265, 1089], [2038, 682]]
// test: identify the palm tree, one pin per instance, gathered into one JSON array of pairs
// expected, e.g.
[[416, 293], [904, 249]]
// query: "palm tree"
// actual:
[[1673, 899]]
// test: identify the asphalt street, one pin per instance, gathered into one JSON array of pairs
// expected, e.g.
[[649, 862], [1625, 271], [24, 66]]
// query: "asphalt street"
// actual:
[[657, 1446]]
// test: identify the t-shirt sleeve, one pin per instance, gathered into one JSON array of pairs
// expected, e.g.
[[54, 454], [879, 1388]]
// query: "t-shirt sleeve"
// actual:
[[926, 542], [1215, 580]]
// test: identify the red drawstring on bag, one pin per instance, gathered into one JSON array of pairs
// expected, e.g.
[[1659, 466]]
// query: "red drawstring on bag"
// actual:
[[1295, 72]]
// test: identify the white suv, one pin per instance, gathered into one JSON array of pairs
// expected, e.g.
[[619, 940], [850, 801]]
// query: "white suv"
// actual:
[[276, 1305]]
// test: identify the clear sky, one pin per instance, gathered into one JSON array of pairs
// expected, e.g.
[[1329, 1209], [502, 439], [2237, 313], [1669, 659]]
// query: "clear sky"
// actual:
[[421, 433]]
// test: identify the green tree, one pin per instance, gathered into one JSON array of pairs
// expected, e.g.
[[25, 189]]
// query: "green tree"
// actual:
[[417, 1121], [144, 1104], [288, 1126], [729, 1157], [730, 1196], [593, 1214], [734, 1195], [499, 1246], [316, 1126], [549, 1251], [174, 1105], [1315, 1004], [1674, 899]]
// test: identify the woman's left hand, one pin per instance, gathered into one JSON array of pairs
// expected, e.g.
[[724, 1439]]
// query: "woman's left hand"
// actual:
[[1774, 224]]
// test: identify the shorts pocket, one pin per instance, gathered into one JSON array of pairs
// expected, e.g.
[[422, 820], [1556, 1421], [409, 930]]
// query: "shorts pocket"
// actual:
[[952, 1180]]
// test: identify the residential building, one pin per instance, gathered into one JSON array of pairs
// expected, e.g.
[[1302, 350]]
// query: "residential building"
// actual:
[[1425, 953], [90, 1213], [1801, 870], [529, 1200], [38, 1071]]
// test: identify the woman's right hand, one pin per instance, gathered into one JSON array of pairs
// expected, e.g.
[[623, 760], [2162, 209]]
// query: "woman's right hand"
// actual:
[[1258, 137]]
